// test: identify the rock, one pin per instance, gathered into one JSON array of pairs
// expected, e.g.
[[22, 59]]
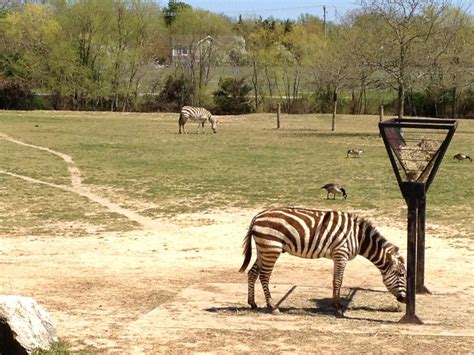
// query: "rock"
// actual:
[[24, 326]]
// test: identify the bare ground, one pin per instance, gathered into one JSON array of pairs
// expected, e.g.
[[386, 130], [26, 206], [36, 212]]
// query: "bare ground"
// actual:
[[173, 287], [177, 289]]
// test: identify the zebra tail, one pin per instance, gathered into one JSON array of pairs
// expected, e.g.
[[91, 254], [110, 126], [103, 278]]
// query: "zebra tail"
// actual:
[[247, 244]]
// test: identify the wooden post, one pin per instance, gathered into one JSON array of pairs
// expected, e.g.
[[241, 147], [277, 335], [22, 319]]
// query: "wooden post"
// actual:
[[380, 115], [278, 115], [334, 111]]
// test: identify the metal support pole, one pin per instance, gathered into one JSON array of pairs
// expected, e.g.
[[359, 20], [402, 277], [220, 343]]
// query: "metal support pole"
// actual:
[[420, 248], [411, 193]]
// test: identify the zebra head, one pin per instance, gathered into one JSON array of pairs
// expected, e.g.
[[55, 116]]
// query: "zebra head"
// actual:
[[394, 276], [214, 122]]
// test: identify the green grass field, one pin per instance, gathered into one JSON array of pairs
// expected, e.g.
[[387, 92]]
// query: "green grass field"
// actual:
[[141, 162]]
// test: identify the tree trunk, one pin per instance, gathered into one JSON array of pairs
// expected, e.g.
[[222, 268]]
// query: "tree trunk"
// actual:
[[454, 92], [353, 102], [255, 84], [401, 100], [334, 110]]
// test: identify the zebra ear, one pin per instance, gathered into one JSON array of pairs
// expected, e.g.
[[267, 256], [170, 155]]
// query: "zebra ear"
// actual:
[[397, 263], [391, 259], [402, 259], [394, 259]]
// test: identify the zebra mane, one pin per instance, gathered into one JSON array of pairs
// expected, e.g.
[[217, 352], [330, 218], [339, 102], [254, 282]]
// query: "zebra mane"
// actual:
[[386, 247]]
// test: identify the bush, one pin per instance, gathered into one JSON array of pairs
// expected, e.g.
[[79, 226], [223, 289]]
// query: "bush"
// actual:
[[231, 96], [15, 94], [176, 93]]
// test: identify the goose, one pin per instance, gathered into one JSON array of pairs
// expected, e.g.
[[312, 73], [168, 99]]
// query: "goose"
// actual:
[[461, 157], [333, 189], [356, 153]]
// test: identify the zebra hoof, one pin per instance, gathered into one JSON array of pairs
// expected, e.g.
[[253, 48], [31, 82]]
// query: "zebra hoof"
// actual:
[[275, 311], [253, 305], [339, 313]]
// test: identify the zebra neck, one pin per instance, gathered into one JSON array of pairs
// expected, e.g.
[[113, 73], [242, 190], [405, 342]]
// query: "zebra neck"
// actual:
[[373, 245]]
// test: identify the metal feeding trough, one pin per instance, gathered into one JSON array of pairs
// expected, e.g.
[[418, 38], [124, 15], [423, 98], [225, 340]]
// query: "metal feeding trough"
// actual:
[[416, 147]]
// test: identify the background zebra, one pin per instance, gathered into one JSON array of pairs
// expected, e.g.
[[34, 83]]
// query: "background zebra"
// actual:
[[307, 233], [196, 114]]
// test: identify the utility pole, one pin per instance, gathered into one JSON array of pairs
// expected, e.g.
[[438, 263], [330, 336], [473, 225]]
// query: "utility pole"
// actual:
[[324, 21]]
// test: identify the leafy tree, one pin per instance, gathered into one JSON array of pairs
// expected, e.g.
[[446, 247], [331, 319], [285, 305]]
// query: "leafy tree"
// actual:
[[300, 44], [265, 49], [136, 32], [36, 49], [200, 33], [174, 7], [333, 66]]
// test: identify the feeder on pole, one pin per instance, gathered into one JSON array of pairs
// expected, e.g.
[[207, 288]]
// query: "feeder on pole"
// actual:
[[416, 154]]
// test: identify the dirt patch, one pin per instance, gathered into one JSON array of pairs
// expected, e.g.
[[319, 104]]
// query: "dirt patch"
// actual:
[[176, 288], [173, 287]]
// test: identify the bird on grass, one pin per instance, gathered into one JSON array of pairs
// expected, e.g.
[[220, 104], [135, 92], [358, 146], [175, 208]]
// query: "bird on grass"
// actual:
[[333, 189], [356, 153], [461, 157]]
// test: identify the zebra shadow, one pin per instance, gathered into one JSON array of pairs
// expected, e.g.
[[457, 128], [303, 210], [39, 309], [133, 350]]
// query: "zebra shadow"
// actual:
[[322, 306]]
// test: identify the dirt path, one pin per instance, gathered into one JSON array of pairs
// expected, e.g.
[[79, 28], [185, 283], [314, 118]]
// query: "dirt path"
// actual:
[[77, 186], [173, 287]]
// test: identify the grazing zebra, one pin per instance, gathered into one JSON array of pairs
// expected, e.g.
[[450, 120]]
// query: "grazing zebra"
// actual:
[[312, 234], [461, 157], [196, 114], [356, 153]]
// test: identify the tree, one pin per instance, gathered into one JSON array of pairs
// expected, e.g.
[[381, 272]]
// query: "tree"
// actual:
[[200, 33], [174, 7], [113, 42], [391, 35], [451, 72], [300, 44], [333, 67], [88, 24], [36, 51], [136, 30]]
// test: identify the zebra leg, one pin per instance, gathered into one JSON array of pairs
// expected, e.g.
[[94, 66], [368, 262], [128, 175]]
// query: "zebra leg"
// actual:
[[339, 266], [252, 278], [268, 262], [181, 123]]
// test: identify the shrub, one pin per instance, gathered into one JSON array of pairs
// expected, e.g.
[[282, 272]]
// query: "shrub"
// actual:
[[231, 96], [176, 93], [15, 94]]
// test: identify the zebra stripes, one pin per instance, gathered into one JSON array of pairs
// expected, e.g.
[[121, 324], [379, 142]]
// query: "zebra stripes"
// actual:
[[196, 114], [312, 234]]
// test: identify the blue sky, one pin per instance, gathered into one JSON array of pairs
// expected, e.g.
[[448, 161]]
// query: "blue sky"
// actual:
[[281, 9]]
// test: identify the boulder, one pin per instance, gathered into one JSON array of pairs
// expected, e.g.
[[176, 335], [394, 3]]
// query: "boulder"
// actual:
[[24, 326]]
